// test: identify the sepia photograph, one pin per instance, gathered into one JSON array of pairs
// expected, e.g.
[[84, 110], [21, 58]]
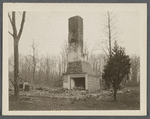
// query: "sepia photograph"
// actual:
[[74, 59]]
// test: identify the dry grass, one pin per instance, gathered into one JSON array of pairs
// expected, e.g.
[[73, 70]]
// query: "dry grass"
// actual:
[[125, 101]]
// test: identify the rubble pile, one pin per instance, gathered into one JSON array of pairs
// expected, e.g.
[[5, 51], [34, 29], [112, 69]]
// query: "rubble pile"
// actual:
[[70, 94]]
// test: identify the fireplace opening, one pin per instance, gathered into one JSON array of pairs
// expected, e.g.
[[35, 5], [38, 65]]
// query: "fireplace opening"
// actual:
[[79, 83]]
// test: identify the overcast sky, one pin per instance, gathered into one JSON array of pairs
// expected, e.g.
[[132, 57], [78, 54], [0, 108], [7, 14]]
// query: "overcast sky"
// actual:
[[50, 29]]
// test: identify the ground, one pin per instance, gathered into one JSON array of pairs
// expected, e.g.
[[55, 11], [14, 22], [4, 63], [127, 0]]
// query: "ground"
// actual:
[[125, 101]]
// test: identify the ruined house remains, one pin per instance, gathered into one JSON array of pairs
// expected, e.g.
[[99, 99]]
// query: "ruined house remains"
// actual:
[[79, 74]]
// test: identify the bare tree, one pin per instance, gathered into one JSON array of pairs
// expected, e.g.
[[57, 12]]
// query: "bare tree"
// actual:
[[47, 69], [110, 34], [64, 55], [16, 36], [40, 69], [34, 59], [87, 51], [135, 70], [59, 66]]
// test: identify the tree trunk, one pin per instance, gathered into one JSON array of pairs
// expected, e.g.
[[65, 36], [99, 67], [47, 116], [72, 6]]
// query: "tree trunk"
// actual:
[[16, 38], [16, 68], [33, 70], [115, 92], [109, 29]]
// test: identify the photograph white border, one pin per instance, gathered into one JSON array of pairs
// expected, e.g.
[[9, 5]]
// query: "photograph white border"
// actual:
[[140, 7]]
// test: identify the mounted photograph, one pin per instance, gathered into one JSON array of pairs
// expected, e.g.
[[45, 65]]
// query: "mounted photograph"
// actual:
[[74, 59]]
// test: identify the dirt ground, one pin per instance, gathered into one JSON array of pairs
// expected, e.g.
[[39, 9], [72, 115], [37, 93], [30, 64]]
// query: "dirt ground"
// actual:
[[125, 101]]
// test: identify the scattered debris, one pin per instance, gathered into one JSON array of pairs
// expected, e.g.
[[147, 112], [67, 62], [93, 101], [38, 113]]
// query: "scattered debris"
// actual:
[[68, 94]]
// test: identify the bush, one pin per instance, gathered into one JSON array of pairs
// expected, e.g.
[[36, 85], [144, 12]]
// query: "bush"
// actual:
[[117, 68]]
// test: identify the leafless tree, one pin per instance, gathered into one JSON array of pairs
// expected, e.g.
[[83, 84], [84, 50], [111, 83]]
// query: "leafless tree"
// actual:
[[34, 59], [47, 69], [135, 68], [64, 55], [34, 55], [110, 34], [16, 36], [59, 66], [40, 68], [86, 50]]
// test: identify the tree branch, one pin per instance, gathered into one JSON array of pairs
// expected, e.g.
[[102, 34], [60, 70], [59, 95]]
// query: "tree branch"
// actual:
[[10, 19], [12, 82], [107, 48], [10, 33], [22, 24], [105, 52], [29, 62], [14, 24]]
